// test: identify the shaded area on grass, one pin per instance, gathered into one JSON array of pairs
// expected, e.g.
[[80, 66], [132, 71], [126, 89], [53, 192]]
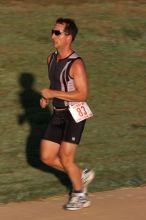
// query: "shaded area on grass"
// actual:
[[38, 120]]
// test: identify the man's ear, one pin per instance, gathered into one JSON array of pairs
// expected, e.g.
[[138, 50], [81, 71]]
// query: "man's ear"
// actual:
[[69, 37]]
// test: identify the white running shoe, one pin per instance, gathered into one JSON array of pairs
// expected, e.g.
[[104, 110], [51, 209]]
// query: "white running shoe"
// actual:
[[87, 177], [77, 202]]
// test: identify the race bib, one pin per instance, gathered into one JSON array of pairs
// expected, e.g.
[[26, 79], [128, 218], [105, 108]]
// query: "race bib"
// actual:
[[80, 111]]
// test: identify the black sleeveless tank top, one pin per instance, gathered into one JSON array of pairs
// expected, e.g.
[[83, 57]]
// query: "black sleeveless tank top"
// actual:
[[58, 72]]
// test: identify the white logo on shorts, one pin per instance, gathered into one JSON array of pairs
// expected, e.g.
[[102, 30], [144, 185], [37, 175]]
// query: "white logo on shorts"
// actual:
[[73, 138]]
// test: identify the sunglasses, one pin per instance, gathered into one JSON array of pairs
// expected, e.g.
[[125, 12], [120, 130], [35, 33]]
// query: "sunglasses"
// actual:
[[59, 32]]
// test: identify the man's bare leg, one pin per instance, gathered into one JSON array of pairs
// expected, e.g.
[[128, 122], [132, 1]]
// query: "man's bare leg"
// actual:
[[50, 154], [67, 154], [61, 157]]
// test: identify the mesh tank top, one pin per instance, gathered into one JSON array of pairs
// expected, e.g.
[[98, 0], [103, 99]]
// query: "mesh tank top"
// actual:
[[58, 72]]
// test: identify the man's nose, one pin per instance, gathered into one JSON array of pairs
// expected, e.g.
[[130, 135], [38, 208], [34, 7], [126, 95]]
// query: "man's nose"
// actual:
[[53, 36]]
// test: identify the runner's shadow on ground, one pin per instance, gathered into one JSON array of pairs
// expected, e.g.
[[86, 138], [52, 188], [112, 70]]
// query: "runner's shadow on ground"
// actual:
[[38, 120]]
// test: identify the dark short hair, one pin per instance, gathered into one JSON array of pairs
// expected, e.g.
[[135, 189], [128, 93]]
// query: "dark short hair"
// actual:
[[70, 26]]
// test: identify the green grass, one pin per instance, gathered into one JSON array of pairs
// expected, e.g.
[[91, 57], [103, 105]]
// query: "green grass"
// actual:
[[112, 41]]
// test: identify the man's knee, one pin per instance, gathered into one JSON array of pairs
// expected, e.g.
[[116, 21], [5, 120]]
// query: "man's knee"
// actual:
[[46, 159], [46, 156], [66, 161]]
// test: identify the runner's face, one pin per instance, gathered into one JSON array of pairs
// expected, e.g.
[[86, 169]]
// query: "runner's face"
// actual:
[[59, 41]]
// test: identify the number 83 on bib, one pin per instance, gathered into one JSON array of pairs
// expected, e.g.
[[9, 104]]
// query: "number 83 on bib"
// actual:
[[80, 111]]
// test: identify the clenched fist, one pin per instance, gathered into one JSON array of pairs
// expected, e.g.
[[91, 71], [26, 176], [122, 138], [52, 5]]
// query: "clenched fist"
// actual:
[[44, 102], [47, 93]]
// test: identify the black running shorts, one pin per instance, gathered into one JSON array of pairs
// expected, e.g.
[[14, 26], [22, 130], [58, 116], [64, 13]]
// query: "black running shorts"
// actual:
[[62, 127]]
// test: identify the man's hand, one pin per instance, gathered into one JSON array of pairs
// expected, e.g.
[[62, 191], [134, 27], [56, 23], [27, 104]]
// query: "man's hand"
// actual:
[[44, 102], [47, 93]]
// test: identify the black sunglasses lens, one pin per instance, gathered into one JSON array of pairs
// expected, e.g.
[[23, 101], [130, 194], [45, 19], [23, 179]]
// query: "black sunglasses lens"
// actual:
[[56, 32]]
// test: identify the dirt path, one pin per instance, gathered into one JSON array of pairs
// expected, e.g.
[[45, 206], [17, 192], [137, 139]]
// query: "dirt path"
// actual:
[[121, 204]]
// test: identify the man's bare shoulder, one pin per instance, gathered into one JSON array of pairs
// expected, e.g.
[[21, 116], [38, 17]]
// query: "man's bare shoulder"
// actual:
[[78, 66], [49, 57], [79, 62]]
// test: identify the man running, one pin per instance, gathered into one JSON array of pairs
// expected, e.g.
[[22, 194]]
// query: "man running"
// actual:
[[68, 86]]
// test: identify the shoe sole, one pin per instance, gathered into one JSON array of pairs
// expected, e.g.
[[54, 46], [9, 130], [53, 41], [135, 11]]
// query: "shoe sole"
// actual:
[[85, 185], [85, 205], [92, 175]]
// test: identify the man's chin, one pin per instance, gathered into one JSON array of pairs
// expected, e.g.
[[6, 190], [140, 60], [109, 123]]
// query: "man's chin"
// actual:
[[55, 45]]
